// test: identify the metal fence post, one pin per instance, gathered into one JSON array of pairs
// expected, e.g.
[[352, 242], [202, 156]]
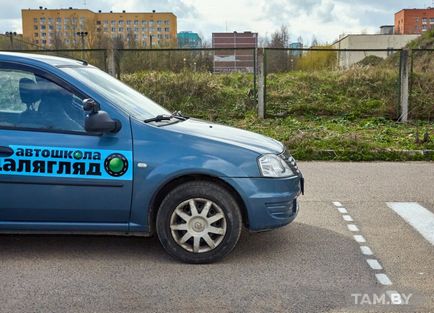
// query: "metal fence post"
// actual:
[[261, 83], [110, 61], [404, 83]]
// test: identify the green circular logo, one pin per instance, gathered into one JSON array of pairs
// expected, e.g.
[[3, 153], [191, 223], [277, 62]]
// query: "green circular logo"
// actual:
[[116, 165], [77, 155]]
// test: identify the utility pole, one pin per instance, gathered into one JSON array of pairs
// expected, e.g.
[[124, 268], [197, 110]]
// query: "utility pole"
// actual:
[[11, 38]]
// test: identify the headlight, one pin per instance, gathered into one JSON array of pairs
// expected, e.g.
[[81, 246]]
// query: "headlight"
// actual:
[[272, 165]]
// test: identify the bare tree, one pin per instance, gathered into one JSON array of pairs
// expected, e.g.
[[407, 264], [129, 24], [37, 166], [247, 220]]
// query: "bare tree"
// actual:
[[278, 60]]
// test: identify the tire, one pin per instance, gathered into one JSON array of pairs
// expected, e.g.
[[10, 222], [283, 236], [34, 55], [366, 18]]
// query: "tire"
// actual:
[[199, 222]]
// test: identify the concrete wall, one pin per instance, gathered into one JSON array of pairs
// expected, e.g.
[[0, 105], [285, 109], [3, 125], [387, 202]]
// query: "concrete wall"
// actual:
[[348, 58]]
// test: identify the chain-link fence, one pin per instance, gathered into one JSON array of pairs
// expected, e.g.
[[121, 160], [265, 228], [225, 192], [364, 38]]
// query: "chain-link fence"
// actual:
[[211, 83], [206, 83]]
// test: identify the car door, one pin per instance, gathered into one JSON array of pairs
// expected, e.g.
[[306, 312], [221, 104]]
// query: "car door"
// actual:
[[54, 174]]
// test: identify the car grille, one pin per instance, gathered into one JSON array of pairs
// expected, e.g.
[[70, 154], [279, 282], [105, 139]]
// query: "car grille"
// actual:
[[290, 161]]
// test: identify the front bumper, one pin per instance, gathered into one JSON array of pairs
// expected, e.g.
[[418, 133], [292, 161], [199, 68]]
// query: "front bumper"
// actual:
[[270, 202]]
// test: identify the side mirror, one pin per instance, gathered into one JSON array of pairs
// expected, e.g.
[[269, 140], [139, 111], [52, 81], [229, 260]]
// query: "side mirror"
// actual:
[[98, 121]]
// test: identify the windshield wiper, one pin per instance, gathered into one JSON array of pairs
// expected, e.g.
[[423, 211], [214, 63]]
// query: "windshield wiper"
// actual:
[[177, 114], [180, 116], [159, 118]]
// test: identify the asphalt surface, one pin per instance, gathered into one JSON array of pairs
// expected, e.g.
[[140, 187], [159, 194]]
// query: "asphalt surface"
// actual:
[[312, 265]]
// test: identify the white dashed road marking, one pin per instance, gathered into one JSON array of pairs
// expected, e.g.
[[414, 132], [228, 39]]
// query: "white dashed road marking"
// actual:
[[417, 216], [347, 218], [359, 238], [352, 227], [342, 210], [383, 279], [374, 264], [366, 250], [395, 297]]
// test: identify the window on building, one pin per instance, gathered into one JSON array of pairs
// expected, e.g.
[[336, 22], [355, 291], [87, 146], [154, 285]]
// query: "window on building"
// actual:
[[424, 20], [151, 29], [167, 22], [113, 29], [144, 22], [121, 22], [59, 20], [424, 28], [129, 22], [35, 27], [167, 36], [105, 22], [158, 29], [145, 44], [36, 34], [136, 22], [44, 35], [59, 27], [128, 29], [66, 20], [159, 22], [44, 41], [167, 29], [121, 29], [113, 22], [151, 22], [50, 27], [74, 20], [417, 19], [145, 36], [144, 29], [35, 20], [43, 27], [106, 29], [159, 36], [431, 20], [98, 22], [42, 20], [36, 41], [136, 29], [50, 20]]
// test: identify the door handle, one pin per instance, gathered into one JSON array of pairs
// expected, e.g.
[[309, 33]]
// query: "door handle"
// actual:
[[6, 152]]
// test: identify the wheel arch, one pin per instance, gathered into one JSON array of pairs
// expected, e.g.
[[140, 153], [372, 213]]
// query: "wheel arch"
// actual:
[[173, 183]]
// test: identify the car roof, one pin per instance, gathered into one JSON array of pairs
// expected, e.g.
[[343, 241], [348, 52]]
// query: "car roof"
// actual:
[[47, 59]]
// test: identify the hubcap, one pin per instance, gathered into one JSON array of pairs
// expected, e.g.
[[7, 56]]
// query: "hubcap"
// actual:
[[198, 225]]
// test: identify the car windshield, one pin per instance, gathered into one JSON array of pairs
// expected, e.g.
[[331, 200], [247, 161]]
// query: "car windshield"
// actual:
[[130, 100]]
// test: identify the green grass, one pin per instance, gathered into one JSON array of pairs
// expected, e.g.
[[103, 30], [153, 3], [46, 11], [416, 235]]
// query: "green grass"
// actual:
[[320, 115], [364, 139]]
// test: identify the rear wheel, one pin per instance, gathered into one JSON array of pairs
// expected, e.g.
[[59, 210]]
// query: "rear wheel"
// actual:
[[199, 222]]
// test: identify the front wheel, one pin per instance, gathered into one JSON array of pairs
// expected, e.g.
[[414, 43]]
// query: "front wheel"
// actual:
[[199, 222]]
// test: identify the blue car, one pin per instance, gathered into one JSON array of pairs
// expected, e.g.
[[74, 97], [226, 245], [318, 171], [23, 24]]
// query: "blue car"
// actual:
[[81, 152]]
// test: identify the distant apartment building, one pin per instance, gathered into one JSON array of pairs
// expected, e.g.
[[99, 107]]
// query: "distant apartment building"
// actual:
[[368, 41], [233, 60], [188, 39], [296, 45], [414, 21], [46, 27]]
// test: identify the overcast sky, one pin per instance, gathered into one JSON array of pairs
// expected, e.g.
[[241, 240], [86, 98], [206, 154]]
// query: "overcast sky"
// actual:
[[325, 19]]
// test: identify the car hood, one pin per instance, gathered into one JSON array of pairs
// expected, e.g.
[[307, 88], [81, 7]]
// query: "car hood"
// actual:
[[230, 135]]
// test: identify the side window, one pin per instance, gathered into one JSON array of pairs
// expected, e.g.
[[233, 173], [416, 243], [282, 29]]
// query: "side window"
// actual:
[[30, 101]]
